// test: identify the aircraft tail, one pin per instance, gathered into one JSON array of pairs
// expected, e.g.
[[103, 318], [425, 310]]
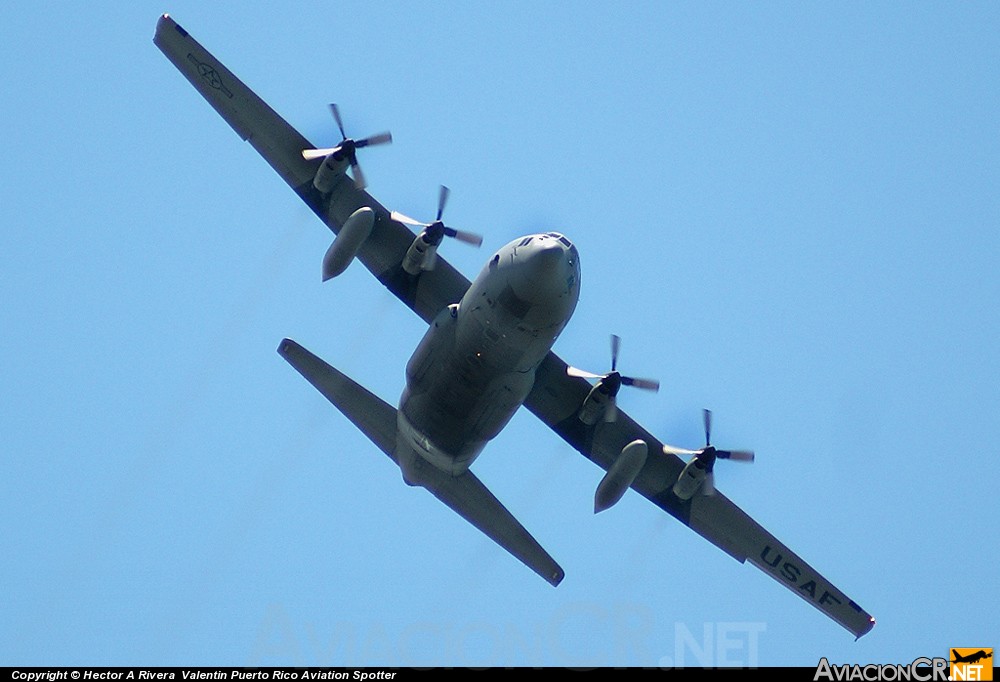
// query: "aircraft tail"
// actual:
[[465, 494]]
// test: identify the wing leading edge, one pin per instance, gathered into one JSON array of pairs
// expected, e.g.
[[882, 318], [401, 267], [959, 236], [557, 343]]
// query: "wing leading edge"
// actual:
[[555, 398]]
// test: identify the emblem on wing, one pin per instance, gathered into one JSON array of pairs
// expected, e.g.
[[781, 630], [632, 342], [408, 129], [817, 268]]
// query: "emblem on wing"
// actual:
[[210, 75], [805, 584]]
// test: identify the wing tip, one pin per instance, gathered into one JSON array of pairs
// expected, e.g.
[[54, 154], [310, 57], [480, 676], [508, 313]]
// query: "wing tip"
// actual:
[[869, 628], [287, 347], [166, 22], [858, 634]]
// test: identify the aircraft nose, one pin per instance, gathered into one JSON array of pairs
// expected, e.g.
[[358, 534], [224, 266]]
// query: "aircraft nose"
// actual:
[[549, 257], [546, 274]]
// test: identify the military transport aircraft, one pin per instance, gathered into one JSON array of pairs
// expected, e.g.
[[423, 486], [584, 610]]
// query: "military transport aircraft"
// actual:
[[487, 351]]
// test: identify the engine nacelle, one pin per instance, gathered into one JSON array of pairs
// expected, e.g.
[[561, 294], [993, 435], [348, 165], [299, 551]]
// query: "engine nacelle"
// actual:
[[600, 402], [620, 475], [692, 477], [422, 255], [329, 172], [347, 242]]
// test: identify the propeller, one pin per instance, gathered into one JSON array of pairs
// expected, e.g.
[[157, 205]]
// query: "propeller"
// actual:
[[437, 230], [613, 381], [348, 148], [709, 454]]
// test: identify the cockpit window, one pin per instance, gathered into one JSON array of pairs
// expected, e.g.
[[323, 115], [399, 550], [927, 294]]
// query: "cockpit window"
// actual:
[[525, 241]]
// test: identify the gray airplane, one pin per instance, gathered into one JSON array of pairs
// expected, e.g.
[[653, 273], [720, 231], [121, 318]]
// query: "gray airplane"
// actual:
[[487, 351]]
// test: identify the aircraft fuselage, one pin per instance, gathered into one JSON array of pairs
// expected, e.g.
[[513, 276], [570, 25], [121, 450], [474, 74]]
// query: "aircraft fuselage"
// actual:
[[476, 363]]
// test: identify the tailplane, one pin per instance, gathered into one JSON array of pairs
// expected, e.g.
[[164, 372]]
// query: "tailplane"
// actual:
[[465, 494], [375, 417]]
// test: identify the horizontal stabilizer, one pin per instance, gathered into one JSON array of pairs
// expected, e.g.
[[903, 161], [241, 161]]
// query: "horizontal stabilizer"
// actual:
[[375, 417], [473, 501], [465, 494]]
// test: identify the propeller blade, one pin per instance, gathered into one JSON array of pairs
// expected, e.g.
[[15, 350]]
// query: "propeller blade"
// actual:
[[616, 344], [310, 154], [467, 237], [672, 450], [707, 415], [708, 485], [460, 235], [736, 455], [336, 117], [611, 411], [359, 177], [647, 384], [407, 220], [372, 140], [574, 372], [442, 200]]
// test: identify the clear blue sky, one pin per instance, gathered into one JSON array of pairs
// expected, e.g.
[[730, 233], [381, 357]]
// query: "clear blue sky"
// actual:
[[788, 211]]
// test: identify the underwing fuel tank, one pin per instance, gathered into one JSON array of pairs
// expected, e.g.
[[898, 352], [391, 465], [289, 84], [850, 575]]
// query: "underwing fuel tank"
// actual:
[[345, 246], [620, 475]]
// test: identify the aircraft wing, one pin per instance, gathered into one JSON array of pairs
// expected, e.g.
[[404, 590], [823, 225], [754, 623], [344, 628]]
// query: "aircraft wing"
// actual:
[[556, 397], [281, 146]]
